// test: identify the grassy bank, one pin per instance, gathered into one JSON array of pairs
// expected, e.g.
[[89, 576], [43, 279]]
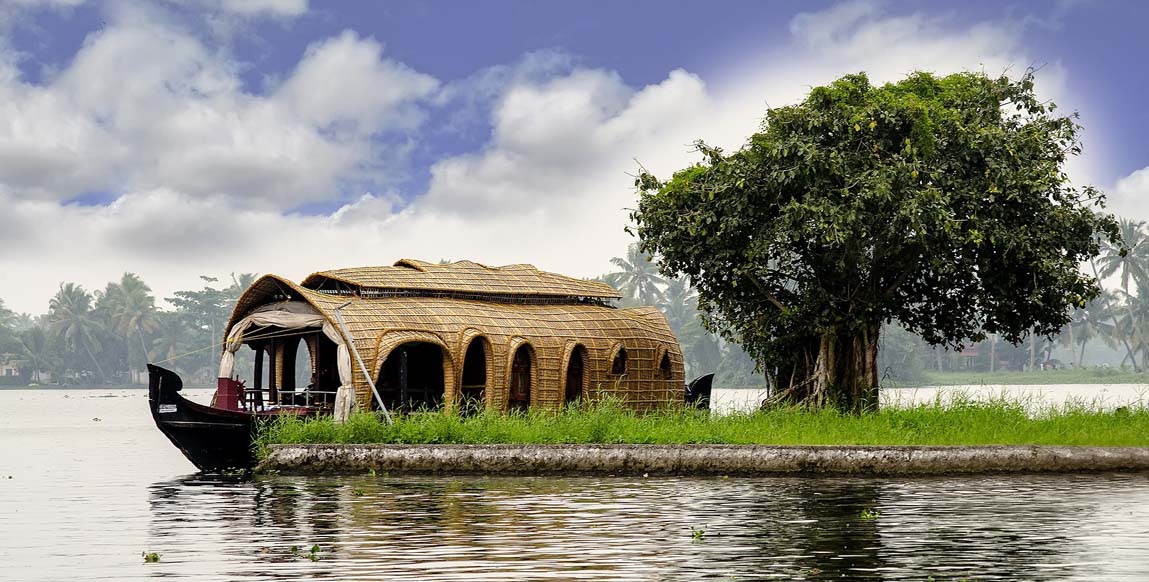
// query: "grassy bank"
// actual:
[[959, 422], [1066, 376]]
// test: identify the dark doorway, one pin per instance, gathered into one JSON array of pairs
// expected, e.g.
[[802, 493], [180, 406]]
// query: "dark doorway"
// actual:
[[474, 383], [519, 397], [664, 367], [576, 370], [412, 378], [618, 366]]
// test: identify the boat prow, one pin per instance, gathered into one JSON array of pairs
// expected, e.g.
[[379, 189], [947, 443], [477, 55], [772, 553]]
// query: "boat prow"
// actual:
[[213, 439]]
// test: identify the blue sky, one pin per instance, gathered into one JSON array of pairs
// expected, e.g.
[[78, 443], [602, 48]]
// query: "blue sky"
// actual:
[[179, 137]]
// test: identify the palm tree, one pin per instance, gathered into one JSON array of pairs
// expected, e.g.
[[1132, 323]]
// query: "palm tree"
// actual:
[[240, 283], [131, 311], [1088, 324], [73, 322], [1130, 259], [638, 276], [172, 337], [36, 348], [679, 304]]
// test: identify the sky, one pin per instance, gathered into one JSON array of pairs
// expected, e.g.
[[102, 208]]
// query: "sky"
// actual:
[[179, 138]]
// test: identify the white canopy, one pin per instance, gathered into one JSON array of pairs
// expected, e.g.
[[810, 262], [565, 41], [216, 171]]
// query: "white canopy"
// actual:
[[293, 315]]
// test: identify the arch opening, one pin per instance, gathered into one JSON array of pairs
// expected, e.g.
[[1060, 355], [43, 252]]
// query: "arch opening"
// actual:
[[412, 378], [575, 382], [473, 385], [664, 372], [618, 365], [519, 394]]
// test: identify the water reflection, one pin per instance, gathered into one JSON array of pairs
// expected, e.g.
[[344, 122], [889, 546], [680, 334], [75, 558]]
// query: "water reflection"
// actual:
[[375, 528]]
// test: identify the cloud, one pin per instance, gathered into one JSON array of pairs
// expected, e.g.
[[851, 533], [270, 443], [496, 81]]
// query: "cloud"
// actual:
[[210, 170], [344, 84], [181, 120], [281, 8], [1130, 196]]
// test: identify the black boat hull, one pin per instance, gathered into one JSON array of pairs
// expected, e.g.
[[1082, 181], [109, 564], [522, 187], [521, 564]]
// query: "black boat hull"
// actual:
[[213, 439]]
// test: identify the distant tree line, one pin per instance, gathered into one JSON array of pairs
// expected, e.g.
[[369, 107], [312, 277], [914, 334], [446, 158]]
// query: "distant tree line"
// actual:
[[105, 336]]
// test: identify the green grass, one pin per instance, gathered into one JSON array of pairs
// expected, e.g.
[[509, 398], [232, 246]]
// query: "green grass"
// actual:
[[1065, 376], [957, 420]]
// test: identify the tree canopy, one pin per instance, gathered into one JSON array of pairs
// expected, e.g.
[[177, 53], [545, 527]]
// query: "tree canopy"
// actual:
[[939, 202]]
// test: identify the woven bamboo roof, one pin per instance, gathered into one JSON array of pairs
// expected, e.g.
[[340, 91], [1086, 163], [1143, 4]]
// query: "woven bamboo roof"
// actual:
[[378, 323], [463, 277]]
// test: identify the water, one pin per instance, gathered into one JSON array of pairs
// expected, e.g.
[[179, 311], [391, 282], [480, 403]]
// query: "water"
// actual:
[[87, 496], [1102, 396]]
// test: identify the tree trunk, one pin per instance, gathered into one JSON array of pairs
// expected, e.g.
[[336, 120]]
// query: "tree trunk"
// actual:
[[94, 361], [1081, 356], [1032, 350], [846, 370], [992, 353]]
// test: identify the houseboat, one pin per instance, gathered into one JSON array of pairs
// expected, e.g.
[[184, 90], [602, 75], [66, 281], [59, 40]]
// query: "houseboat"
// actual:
[[459, 337]]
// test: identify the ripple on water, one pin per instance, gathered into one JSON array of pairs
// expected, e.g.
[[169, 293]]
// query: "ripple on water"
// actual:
[[87, 497]]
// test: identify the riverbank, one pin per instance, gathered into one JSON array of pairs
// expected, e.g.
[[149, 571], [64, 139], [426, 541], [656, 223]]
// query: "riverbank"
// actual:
[[953, 421], [696, 460]]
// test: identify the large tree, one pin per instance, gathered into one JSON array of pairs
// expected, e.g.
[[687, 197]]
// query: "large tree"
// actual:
[[941, 203]]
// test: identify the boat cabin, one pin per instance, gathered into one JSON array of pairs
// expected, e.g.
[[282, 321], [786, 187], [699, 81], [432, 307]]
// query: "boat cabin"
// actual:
[[460, 336]]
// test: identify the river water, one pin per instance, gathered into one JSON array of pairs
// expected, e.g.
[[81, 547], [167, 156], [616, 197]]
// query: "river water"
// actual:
[[87, 484]]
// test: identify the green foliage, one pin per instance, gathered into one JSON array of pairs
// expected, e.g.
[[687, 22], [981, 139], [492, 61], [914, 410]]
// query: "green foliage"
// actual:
[[952, 421], [937, 202], [107, 336]]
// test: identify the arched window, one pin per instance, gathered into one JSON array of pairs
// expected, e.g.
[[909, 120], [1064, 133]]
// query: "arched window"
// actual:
[[474, 378], [618, 366], [519, 396], [664, 367], [575, 376], [412, 377]]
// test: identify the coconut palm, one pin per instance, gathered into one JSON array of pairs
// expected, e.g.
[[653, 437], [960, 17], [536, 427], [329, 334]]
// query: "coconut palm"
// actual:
[[1130, 258], [74, 324], [1090, 323], [36, 348], [638, 276], [131, 311], [679, 303], [172, 338]]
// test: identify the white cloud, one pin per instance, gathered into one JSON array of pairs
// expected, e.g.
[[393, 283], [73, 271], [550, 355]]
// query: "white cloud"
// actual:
[[181, 120], [1130, 196], [345, 84], [212, 168], [282, 8]]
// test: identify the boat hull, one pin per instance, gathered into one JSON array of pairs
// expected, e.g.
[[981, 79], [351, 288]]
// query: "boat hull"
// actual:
[[213, 439]]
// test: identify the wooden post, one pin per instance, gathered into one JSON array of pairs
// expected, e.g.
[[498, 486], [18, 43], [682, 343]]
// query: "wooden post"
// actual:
[[273, 371]]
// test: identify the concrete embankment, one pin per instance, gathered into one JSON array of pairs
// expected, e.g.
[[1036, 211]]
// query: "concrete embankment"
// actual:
[[698, 459]]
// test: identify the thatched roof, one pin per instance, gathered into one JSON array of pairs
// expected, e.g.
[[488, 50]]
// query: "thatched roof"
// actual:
[[462, 277]]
